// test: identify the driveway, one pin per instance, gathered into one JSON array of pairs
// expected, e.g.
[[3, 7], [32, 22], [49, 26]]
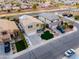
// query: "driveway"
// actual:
[[35, 39], [4, 55], [1, 49]]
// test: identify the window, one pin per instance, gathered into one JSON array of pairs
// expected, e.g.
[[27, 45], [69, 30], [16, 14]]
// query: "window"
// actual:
[[30, 26]]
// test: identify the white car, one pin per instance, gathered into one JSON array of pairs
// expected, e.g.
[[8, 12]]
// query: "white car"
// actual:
[[69, 52]]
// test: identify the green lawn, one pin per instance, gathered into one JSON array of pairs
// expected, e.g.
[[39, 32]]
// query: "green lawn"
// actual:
[[21, 45]]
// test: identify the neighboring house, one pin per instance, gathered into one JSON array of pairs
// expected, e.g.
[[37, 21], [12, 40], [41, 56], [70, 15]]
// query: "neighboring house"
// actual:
[[48, 17], [8, 29], [30, 24]]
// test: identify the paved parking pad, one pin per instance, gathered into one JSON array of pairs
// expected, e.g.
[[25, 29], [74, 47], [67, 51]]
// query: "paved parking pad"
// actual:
[[35, 39], [1, 49]]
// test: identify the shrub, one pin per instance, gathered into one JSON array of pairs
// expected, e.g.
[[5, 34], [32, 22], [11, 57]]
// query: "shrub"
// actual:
[[47, 35], [65, 25], [71, 26], [23, 38], [76, 17], [20, 45], [34, 6]]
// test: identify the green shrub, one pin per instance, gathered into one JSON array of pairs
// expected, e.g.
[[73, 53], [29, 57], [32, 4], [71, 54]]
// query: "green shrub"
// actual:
[[71, 26], [20, 45], [23, 38], [47, 35], [76, 17]]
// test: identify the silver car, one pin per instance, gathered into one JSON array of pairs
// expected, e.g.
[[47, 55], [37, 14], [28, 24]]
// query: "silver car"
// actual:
[[69, 52]]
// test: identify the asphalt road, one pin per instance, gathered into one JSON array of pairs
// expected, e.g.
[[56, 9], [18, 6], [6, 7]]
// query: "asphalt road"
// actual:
[[54, 49]]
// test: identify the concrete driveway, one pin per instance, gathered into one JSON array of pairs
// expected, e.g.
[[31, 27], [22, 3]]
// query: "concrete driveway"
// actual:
[[1, 49], [35, 39]]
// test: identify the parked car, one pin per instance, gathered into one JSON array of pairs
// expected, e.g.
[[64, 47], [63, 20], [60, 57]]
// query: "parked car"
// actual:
[[60, 29], [7, 47], [69, 53], [68, 15], [39, 30]]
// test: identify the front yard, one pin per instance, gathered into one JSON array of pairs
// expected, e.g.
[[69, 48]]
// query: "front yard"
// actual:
[[22, 44]]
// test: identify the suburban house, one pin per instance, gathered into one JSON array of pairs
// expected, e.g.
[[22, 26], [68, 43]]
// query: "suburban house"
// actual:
[[8, 29], [30, 24]]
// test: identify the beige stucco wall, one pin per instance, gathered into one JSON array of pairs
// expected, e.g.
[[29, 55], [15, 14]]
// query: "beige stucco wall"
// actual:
[[34, 28]]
